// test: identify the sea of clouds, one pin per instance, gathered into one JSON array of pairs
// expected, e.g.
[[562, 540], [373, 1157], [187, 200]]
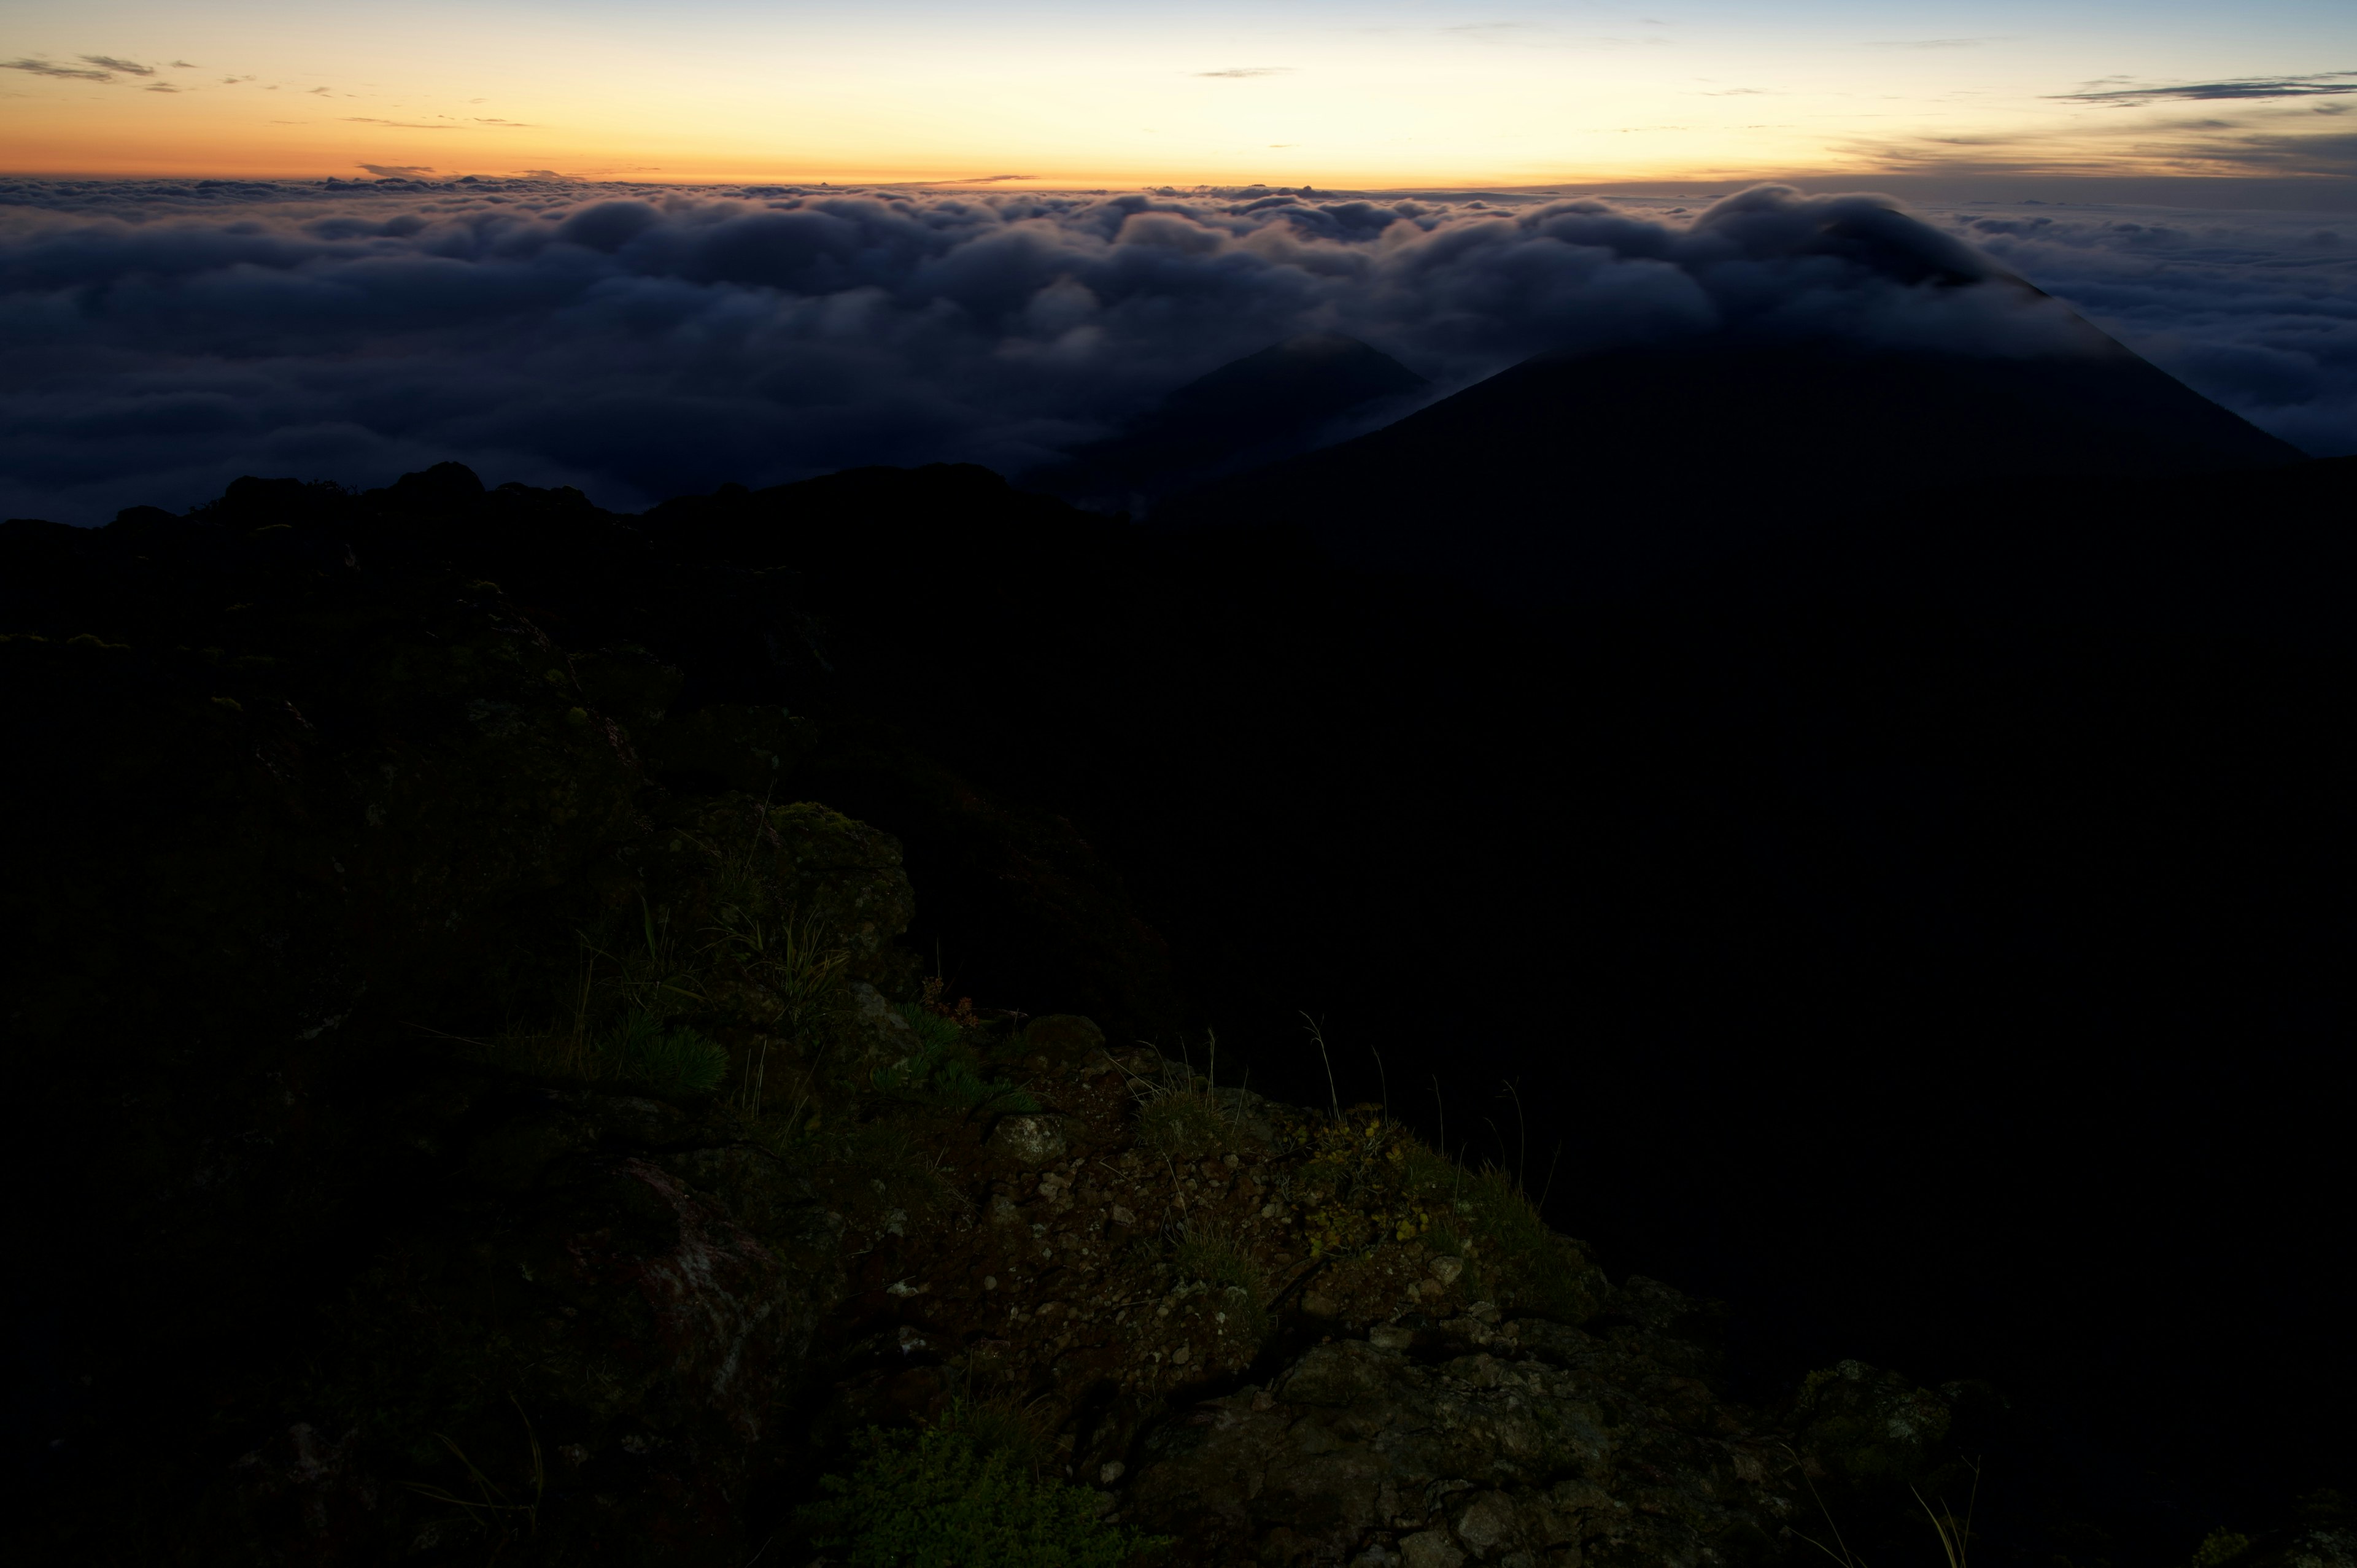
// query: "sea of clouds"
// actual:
[[159, 338]]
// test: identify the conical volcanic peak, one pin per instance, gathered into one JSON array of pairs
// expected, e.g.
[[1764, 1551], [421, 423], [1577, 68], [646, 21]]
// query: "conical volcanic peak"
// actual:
[[1573, 474]]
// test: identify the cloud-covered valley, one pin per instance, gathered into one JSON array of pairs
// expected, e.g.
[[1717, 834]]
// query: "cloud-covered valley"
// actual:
[[162, 338]]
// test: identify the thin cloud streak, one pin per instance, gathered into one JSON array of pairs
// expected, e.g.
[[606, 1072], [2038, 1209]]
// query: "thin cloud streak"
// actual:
[[2319, 84], [67, 72]]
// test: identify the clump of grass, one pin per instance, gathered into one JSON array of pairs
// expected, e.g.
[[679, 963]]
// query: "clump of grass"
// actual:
[[626, 1023], [948, 1496], [1209, 1253], [1510, 1251], [658, 978], [945, 1069], [1183, 1122], [1956, 1535], [793, 973], [635, 1049], [490, 1508], [640, 1010], [1002, 1424], [664, 1058], [1178, 1113], [2221, 1547]]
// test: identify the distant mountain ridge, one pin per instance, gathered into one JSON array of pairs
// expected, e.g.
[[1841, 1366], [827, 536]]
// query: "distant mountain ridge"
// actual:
[[1288, 398], [1598, 469]]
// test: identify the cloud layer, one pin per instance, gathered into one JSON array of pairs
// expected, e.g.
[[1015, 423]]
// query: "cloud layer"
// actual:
[[2257, 310], [162, 338]]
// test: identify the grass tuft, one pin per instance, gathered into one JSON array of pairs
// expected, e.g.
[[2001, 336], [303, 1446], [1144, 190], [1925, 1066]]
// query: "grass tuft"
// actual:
[[664, 1058], [1179, 1112], [956, 1495], [1508, 1246], [1209, 1253], [2221, 1547]]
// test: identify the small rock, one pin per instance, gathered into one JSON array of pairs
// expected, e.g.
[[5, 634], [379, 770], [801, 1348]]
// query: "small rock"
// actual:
[[1112, 1470], [1318, 1305], [1032, 1139], [1446, 1270], [1575, 1492], [1429, 1548], [1065, 1037], [1488, 1522], [1122, 1215], [1178, 1356], [1391, 1336]]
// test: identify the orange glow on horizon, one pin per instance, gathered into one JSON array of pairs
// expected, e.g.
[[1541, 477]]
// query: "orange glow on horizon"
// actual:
[[936, 94]]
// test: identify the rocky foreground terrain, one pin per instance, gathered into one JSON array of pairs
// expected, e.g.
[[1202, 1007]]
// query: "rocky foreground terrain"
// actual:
[[471, 1112]]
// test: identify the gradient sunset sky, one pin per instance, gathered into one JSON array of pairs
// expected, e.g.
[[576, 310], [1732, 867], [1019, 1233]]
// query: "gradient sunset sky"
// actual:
[[1336, 93]]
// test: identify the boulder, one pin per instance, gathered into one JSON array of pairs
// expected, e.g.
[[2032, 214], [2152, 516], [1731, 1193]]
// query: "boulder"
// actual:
[[1541, 1443]]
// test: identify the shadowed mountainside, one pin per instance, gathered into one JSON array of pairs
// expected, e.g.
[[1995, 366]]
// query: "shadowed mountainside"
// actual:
[[1920, 928], [1575, 476], [1289, 397], [474, 1118]]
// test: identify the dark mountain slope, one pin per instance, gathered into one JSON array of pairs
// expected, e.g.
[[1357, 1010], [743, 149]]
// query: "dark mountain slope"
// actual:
[[1254, 410], [1932, 938], [1574, 475]]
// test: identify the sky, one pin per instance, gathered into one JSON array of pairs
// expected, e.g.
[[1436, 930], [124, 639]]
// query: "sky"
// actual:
[[1328, 92], [646, 249]]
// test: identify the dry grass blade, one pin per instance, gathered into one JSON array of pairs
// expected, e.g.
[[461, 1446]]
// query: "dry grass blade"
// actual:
[[1955, 1539], [490, 1498]]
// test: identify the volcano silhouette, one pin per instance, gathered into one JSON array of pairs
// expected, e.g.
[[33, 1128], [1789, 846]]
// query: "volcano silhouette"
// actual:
[[1571, 473]]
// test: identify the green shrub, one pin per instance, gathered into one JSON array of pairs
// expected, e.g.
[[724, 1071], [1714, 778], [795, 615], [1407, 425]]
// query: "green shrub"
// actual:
[[936, 1036], [945, 1069], [665, 1059], [2219, 1547], [937, 1499]]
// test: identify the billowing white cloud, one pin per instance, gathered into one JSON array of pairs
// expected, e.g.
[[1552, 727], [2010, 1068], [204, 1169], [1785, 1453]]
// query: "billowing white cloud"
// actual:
[[161, 338], [2257, 310]]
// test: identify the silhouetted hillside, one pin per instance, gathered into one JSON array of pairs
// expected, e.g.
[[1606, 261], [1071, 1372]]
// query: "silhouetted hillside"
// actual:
[[1926, 930], [1575, 475], [1255, 410]]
